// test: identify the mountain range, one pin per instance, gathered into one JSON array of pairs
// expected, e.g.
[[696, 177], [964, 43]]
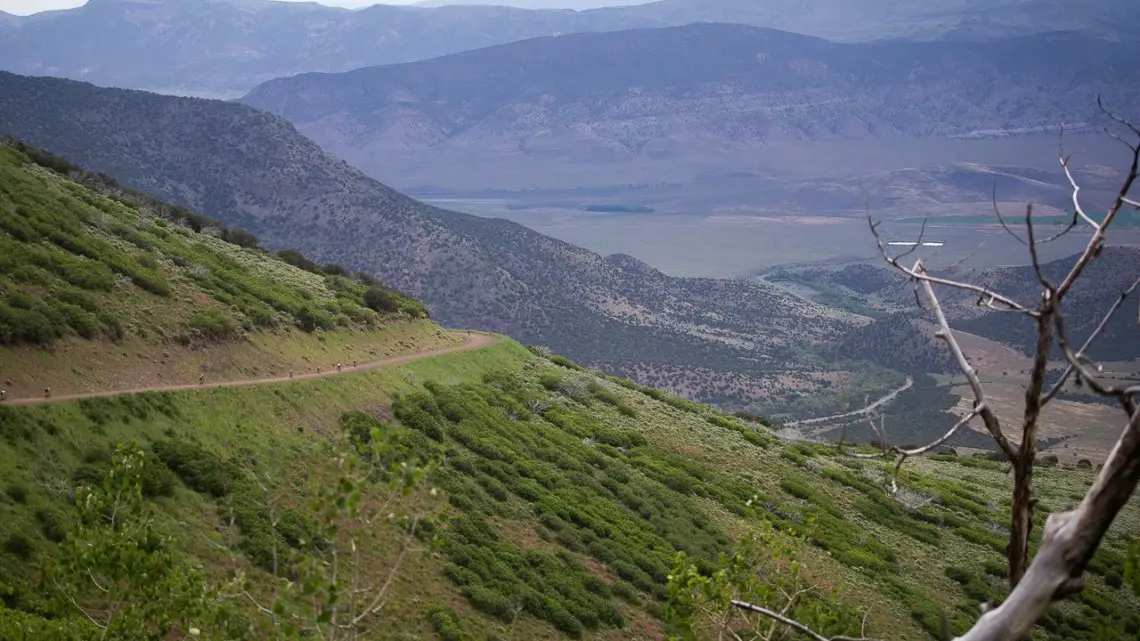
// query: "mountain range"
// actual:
[[675, 104], [253, 170], [577, 5], [223, 48]]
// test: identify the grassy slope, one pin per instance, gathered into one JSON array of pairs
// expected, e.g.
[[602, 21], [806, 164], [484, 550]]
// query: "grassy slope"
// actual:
[[683, 478], [125, 293]]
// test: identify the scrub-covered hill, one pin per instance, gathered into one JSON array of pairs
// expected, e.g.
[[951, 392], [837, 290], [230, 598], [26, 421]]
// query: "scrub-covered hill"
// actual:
[[102, 288]]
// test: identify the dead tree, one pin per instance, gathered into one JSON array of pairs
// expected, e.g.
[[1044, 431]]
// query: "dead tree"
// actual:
[[1070, 538]]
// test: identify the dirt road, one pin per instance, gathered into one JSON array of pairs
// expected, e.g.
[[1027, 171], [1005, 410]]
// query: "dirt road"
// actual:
[[473, 341], [866, 410]]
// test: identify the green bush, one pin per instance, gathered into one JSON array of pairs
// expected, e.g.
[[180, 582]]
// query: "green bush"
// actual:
[[802, 490], [20, 546], [381, 300], [883, 511], [240, 237], [550, 380], [295, 258], [311, 318], [213, 323], [198, 468], [17, 491], [31, 326], [489, 602], [53, 525], [445, 623]]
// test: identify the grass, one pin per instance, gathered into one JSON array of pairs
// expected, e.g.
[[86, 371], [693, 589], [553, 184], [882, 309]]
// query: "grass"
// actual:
[[565, 509], [90, 260]]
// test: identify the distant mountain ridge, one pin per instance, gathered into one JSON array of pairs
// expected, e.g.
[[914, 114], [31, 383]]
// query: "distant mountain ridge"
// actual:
[[226, 47], [576, 5], [696, 98], [253, 170]]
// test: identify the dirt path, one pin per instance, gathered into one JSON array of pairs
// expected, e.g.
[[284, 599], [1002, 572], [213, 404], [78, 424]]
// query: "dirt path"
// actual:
[[473, 341], [866, 410]]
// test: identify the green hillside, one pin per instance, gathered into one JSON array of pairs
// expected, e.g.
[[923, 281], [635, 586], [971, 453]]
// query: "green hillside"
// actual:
[[557, 511], [106, 275], [497, 493]]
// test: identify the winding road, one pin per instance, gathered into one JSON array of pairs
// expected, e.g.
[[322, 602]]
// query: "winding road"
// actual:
[[866, 410], [474, 341]]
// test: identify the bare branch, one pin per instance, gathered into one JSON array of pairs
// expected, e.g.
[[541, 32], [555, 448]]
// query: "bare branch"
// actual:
[[1033, 250], [989, 297], [1119, 139], [1001, 219], [1078, 357], [78, 607], [1100, 103], [1070, 540], [1068, 228], [1076, 364], [905, 454], [1077, 193], [879, 432], [260, 608], [993, 426], [1097, 241], [792, 623], [378, 600]]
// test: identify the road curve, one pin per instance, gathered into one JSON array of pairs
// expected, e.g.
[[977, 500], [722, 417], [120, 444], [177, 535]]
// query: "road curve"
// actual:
[[865, 410], [474, 341]]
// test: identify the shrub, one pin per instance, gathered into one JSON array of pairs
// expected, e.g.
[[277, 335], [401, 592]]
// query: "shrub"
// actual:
[[52, 524], [803, 491], [381, 300], [311, 318], [488, 601], [295, 258], [18, 492], [1113, 579], [240, 237], [199, 469], [562, 361], [212, 323], [550, 380], [19, 325], [444, 622], [157, 478], [19, 546]]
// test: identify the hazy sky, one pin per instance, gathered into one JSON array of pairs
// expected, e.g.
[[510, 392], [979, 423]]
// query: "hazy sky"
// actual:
[[24, 7]]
